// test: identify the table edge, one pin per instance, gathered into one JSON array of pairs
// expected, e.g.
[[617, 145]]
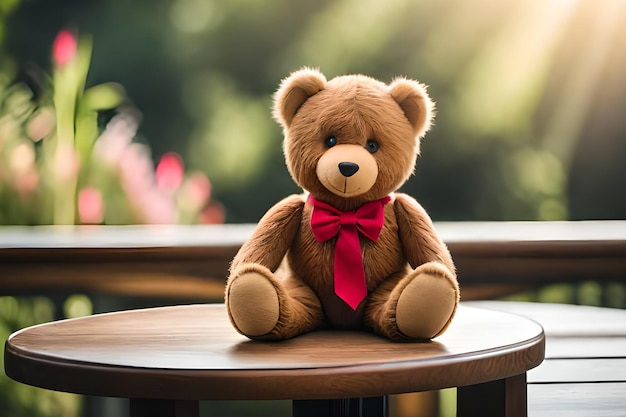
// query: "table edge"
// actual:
[[299, 383]]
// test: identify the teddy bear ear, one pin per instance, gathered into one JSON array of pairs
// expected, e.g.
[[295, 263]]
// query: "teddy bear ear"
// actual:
[[414, 102], [294, 91]]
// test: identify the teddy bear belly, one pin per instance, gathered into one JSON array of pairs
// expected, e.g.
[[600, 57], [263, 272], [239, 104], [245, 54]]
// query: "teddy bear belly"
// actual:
[[317, 272], [340, 315]]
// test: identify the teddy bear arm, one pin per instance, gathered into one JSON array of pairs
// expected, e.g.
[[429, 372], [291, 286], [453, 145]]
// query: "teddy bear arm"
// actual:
[[273, 235], [420, 241]]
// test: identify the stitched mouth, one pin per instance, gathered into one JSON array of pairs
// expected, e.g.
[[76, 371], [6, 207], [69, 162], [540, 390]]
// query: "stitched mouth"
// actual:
[[344, 190]]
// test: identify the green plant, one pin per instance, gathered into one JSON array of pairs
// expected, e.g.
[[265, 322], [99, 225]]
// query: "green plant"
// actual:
[[68, 155]]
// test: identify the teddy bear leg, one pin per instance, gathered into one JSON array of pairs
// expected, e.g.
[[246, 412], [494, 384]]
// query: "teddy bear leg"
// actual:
[[417, 305], [264, 307]]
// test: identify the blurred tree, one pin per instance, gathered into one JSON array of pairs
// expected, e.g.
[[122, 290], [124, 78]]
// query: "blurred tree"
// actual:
[[597, 172], [529, 92]]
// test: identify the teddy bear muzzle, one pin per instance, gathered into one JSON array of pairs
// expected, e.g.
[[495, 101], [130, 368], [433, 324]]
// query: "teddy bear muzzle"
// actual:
[[347, 170]]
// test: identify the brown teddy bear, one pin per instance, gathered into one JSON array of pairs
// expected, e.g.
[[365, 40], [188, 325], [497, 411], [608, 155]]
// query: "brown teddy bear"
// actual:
[[349, 253]]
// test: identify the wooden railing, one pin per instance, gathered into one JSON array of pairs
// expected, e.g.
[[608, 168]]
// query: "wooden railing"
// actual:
[[191, 262]]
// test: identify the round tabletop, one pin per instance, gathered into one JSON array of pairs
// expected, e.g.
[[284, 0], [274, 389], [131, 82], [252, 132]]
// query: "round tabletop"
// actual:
[[191, 352]]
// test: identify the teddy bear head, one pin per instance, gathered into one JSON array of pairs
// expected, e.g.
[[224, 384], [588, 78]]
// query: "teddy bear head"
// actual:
[[352, 139]]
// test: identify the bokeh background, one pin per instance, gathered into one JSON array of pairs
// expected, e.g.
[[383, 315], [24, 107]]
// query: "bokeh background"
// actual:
[[168, 106], [531, 94]]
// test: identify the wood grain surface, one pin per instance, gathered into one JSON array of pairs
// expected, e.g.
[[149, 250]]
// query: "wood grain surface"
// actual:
[[577, 400], [566, 320], [192, 352], [596, 370], [584, 371]]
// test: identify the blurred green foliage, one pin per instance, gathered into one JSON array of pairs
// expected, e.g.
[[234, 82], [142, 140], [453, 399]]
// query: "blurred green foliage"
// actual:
[[62, 162], [19, 399], [530, 93]]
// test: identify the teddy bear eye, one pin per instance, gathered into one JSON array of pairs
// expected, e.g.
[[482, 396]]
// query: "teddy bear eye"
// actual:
[[372, 146], [331, 141]]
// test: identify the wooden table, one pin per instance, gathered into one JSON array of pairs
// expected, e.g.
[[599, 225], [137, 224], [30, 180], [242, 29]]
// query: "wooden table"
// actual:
[[167, 359]]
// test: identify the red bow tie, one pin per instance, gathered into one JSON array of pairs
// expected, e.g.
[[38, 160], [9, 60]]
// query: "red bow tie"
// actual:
[[328, 222]]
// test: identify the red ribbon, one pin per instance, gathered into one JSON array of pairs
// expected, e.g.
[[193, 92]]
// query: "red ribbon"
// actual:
[[328, 222]]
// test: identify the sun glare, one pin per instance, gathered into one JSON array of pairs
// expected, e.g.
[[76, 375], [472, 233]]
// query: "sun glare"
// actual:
[[565, 3]]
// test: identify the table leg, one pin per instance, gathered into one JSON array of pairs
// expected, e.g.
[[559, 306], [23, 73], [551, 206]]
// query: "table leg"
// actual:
[[501, 398], [350, 407], [163, 408]]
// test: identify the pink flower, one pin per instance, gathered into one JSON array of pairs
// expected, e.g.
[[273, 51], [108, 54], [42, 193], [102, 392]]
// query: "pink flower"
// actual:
[[199, 186], [213, 214], [158, 208], [170, 171], [117, 137], [26, 184], [41, 124], [90, 206], [136, 169], [64, 48], [195, 191]]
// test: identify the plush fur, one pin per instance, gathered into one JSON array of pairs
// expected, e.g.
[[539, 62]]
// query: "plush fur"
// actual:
[[281, 281]]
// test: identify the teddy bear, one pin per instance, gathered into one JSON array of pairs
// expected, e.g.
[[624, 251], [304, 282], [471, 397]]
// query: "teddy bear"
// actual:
[[350, 252]]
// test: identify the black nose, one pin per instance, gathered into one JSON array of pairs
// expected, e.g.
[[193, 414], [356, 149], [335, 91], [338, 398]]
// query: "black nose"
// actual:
[[348, 169]]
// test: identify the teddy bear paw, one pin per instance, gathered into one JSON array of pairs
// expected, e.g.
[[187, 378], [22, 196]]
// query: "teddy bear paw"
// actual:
[[253, 304], [426, 306]]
